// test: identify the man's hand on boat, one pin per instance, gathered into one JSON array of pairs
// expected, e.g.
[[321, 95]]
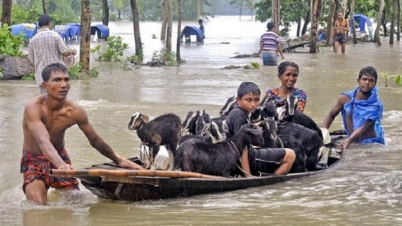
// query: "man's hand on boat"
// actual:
[[127, 164], [345, 144]]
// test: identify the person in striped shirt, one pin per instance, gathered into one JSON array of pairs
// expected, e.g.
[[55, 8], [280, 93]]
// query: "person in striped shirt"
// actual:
[[45, 48], [270, 46]]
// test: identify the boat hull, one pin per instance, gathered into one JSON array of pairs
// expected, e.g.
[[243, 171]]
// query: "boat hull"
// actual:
[[134, 188]]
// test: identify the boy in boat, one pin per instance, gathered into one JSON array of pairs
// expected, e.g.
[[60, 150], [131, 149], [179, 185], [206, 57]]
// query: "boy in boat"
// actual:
[[339, 33], [46, 118], [362, 111], [248, 99]]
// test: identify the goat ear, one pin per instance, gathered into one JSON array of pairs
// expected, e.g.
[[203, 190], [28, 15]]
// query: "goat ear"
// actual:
[[145, 118], [205, 129]]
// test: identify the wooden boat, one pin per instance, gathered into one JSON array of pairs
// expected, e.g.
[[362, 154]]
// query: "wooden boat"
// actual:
[[109, 182]]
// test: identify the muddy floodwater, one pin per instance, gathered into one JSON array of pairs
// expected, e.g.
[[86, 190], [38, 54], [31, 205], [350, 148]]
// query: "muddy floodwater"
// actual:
[[366, 189]]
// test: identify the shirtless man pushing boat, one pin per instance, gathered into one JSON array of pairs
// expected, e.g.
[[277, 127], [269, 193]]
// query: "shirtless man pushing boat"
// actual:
[[46, 118]]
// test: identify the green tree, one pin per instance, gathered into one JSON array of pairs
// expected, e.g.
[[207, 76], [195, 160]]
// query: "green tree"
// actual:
[[291, 11], [118, 5], [240, 4]]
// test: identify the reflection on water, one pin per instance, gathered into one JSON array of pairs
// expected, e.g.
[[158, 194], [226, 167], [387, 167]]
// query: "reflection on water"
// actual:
[[365, 189]]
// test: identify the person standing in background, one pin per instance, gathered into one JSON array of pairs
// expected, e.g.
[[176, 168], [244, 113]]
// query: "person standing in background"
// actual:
[[270, 46], [201, 28], [45, 48]]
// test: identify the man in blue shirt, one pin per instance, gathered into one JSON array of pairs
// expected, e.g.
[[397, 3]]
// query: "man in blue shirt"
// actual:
[[201, 28], [362, 111]]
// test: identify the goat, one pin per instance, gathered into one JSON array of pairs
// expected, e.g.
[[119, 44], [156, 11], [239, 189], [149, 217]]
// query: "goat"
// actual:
[[194, 122], [163, 130], [289, 113], [272, 140], [267, 109], [230, 103], [216, 159], [156, 157], [304, 141], [213, 132]]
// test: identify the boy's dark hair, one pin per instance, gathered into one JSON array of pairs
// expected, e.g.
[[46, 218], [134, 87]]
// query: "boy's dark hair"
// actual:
[[200, 21], [282, 67], [246, 88], [270, 25], [44, 19], [55, 67], [368, 71]]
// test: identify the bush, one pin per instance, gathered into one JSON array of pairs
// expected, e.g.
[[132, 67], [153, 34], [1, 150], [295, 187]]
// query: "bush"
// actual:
[[115, 50], [9, 44], [76, 72], [163, 57]]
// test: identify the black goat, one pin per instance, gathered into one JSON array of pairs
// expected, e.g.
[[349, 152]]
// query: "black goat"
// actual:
[[216, 159], [230, 103], [194, 122], [304, 141], [163, 130], [289, 113], [213, 132], [267, 109]]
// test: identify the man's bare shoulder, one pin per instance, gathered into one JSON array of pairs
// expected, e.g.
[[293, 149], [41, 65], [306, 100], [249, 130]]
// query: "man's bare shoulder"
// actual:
[[343, 99], [34, 103]]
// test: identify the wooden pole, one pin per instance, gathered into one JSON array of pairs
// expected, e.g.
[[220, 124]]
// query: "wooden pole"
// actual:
[[377, 37], [129, 173], [330, 22], [352, 12], [179, 10], [85, 30], [276, 15]]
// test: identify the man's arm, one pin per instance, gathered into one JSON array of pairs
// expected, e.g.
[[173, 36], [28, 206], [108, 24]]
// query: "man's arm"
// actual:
[[31, 55], [63, 49], [279, 49], [343, 99], [97, 142], [69, 52], [38, 130], [356, 134]]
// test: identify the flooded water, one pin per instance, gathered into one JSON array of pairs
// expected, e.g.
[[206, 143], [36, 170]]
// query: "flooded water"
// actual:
[[366, 189]]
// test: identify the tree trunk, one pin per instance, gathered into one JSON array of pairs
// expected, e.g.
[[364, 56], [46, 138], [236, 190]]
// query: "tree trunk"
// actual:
[[298, 26], [394, 18], [337, 9], [306, 22], [105, 13], [314, 25], [136, 26], [398, 23], [119, 14], [377, 37], [164, 20], [276, 15], [198, 9], [344, 6], [179, 9], [85, 38], [329, 21], [44, 7], [169, 26], [352, 12], [6, 12], [383, 22]]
